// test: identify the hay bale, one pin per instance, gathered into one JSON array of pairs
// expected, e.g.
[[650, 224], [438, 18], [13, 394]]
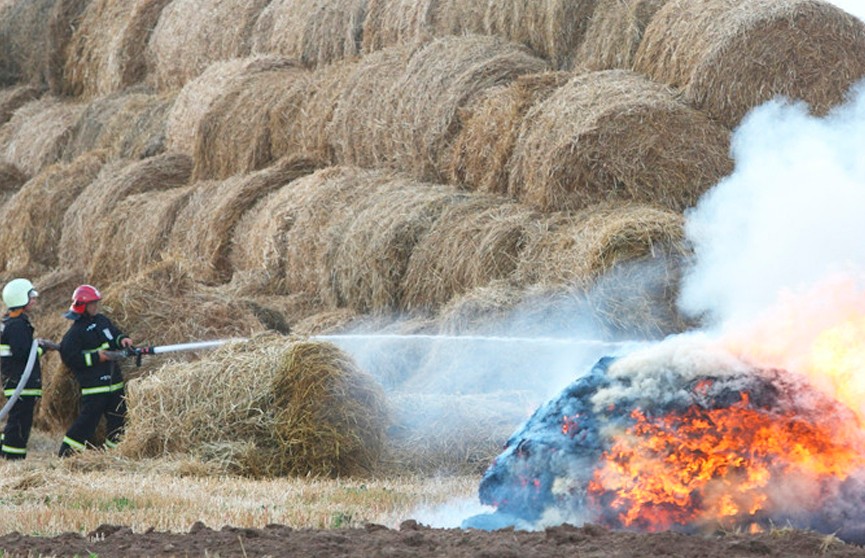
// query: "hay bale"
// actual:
[[728, 56], [31, 246], [614, 135], [82, 234], [312, 31], [24, 41], [234, 136], [394, 22], [440, 79], [192, 34], [199, 96], [107, 49], [489, 129], [373, 254], [326, 322], [450, 434], [615, 32], [130, 125], [13, 98], [269, 407], [203, 230], [552, 28], [480, 311], [37, 133], [470, 245], [11, 180], [66, 16]]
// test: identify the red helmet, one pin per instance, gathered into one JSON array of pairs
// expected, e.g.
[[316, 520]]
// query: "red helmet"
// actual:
[[82, 296]]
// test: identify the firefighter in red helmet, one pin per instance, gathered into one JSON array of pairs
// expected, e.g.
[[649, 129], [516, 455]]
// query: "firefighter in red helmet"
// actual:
[[87, 349]]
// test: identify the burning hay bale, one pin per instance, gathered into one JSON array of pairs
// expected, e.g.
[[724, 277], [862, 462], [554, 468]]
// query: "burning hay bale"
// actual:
[[116, 182], [234, 136], [270, 407], [203, 231], [450, 71], [107, 50], [13, 98], [373, 254], [199, 96], [683, 436], [728, 56], [614, 135], [313, 32], [192, 34], [614, 33], [37, 133], [484, 146], [25, 41], [471, 244], [129, 124], [31, 246]]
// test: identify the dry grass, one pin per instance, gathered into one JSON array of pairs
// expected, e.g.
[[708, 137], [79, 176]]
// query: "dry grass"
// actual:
[[614, 135], [37, 133], [234, 137], [25, 42], [107, 49], [312, 31], [470, 245], [271, 406], [480, 310], [14, 97], [30, 248], [614, 33], [192, 34], [129, 125], [11, 180], [483, 149], [728, 56], [393, 22]]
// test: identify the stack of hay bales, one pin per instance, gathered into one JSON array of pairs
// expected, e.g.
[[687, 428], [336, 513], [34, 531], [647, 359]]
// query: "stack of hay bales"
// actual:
[[728, 56], [394, 22], [314, 32], [614, 135], [25, 41], [106, 53], [37, 133], [192, 34], [272, 406], [615, 32]]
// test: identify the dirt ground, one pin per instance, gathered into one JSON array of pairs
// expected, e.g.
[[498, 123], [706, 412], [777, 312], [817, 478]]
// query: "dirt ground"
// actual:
[[417, 541]]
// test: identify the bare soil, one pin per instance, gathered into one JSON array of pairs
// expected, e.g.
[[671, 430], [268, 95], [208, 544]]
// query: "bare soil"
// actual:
[[417, 541]]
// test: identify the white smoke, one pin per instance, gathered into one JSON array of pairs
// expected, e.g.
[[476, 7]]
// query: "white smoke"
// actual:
[[855, 7]]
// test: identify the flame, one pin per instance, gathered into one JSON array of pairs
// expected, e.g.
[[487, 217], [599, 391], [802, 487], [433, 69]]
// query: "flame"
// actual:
[[715, 465]]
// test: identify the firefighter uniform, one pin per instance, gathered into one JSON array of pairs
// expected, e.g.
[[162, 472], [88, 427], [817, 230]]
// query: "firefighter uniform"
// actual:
[[16, 342], [101, 383]]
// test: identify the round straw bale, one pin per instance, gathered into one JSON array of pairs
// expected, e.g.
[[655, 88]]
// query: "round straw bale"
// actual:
[[24, 41], [471, 244], [13, 98], [489, 130], [577, 248], [451, 434], [393, 22], [481, 310], [326, 322], [728, 56], [362, 122], [192, 34], [615, 32], [203, 231], [615, 135], [82, 234], [11, 180], [199, 96], [440, 79], [313, 31], [37, 133], [268, 407], [234, 136], [31, 245], [131, 124], [373, 253], [107, 50], [455, 17], [66, 16], [552, 28]]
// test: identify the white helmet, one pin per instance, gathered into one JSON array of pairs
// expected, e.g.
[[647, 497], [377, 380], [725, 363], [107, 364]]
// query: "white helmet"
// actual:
[[18, 292]]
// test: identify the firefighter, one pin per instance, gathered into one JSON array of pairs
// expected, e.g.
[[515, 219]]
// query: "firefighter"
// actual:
[[90, 349], [16, 344]]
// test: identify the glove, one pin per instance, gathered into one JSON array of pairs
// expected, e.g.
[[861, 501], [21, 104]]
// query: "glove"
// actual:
[[48, 344]]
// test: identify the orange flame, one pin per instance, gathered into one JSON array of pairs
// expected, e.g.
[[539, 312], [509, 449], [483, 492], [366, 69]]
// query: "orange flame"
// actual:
[[716, 465]]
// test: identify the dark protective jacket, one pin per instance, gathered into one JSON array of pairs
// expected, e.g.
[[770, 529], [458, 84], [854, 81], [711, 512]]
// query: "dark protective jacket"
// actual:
[[16, 341], [79, 350]]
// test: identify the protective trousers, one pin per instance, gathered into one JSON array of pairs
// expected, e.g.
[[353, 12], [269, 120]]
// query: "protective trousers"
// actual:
[[17, 431], [93, 406]]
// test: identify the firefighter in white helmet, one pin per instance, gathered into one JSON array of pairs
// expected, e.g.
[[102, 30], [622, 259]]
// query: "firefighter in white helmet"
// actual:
[[16, 342]]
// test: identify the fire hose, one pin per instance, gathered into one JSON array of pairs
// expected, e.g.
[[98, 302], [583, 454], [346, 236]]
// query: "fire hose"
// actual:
[[138, 352], [28, 368]]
